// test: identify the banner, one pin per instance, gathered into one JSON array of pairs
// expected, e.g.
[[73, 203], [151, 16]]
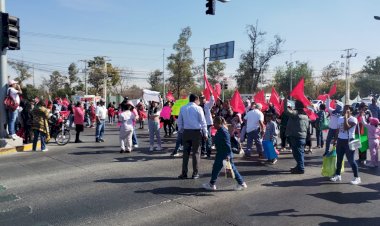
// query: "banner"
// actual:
[[177, 106], [149, 95]]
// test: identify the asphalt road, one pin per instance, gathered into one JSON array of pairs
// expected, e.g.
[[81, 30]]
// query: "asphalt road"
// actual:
[[93, 184]]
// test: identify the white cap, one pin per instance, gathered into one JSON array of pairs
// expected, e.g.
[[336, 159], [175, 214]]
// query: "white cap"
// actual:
[[11, 82]]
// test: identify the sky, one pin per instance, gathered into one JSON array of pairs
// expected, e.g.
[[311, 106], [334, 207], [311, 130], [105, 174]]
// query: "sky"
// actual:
[[137, 34]]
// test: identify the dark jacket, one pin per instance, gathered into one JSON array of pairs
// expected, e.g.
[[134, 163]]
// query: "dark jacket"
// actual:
[[297, 124], [223, 142]]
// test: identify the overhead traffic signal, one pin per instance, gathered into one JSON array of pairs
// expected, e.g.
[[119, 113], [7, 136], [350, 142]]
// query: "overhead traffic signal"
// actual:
[[210, 5], [10, 32]]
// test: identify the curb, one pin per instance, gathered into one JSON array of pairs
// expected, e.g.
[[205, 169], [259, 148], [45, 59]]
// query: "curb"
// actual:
[[23, 148]]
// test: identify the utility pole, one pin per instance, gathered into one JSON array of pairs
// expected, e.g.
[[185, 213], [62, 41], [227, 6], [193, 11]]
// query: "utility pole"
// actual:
[[291, 71], [3, 81], [34, 84], [163, 72], [204, 66], [349, 54], [85, 76]]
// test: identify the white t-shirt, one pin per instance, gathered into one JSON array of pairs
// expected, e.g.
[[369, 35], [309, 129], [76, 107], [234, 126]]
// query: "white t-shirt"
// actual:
[[14, 94], [253, 117], [344, 134], [101, 112], [126, 118]]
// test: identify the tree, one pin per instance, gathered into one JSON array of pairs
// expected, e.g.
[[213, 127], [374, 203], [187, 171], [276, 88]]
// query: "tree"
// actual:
[[330, 75], [154, 80], [180, 64], [73, 71], [22, 71], [215, 71], [121, 86], [56, 81], [134, 92], [255, 61], [282, 77], [367, 80], [29, 92], [100, 69]]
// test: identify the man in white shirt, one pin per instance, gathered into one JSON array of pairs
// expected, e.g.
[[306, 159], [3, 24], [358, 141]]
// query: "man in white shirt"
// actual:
[[255, 130], [192, 122], [13, 91], [101, 114], [207, 105], [333, 123]]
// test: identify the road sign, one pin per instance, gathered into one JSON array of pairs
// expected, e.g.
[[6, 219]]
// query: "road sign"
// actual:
[[222, 51]]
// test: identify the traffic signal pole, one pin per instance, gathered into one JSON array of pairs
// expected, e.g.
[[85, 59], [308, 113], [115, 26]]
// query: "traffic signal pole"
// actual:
[[3, 82]]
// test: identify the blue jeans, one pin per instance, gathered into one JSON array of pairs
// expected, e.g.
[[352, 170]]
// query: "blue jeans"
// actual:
[[319, 135], [100, 129], [12, 117], [330, 136], [154, 129], [71, 120], [35, 140], [254, 136], [178, 142], [341, 149], [206, 145], [298, 150], [134, 138], [218, 165]]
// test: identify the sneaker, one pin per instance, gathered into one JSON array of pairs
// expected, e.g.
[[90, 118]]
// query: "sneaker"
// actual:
[[175, 132], [101, 140], [174, 154], [45, 150], [158, 148], [209, 187], [151, 148], [336, 178], [356, 181], [97, 141], [241, 187], [213, 147], [136, 146], [273, 161], [122, 151], [14, 136], [181, 148]]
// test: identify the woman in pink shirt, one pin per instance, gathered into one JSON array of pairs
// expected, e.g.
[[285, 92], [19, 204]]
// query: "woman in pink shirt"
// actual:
[[78, 120]]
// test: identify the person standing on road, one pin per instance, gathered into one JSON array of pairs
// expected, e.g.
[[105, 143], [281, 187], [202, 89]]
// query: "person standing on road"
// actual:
[[92, 114], [14, 92], [40, 126], [255, 130], [207, 106], [78, 120], [154, 124], [296, 131], [318, 125], [373, 139], [333, 124], [223, 152], [126, 120], [101, 114], [346, 126], [192, 122]]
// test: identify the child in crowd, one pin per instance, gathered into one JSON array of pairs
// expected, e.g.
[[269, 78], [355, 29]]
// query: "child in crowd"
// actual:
[[223, 152], [111, 113], [126, 120], [271, 132], [373, 139]]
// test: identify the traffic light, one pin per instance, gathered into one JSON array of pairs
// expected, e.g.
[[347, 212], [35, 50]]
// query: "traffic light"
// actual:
[[210, 5], [225, 86], [10, 29]]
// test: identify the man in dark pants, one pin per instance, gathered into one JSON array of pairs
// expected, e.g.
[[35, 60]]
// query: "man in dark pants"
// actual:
[[192, 122], [206, 106]]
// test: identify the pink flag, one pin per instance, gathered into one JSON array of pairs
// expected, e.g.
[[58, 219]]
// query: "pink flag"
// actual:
[[166, 112], [169, 96]]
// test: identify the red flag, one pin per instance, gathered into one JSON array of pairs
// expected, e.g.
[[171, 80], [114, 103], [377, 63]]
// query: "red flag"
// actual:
[[275, 100], [322, 97], [217, 90], [298, 93], [169, 96], [311, 114], [333, 104], [260, 98], [207, 86], [237, 103], [206, 93], [332, 90], [281, 108]]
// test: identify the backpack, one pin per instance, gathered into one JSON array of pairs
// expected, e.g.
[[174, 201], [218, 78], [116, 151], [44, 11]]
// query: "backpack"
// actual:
[[324, 122], [9, 103]]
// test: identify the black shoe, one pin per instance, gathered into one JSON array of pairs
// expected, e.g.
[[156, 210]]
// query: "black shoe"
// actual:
[[297, 171], [195, 176], [101, 140], [122, 151], [182, 177], [97, 141], [78, 141]]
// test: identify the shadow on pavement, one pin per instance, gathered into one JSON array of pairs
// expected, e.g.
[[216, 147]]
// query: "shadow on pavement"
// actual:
[[339, 220], [127, 180], [348, 198], [301, 183], [142, 158], [94, 152], [178, 191]]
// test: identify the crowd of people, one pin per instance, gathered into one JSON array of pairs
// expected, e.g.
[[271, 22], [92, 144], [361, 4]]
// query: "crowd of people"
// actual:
[[206, 125]]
